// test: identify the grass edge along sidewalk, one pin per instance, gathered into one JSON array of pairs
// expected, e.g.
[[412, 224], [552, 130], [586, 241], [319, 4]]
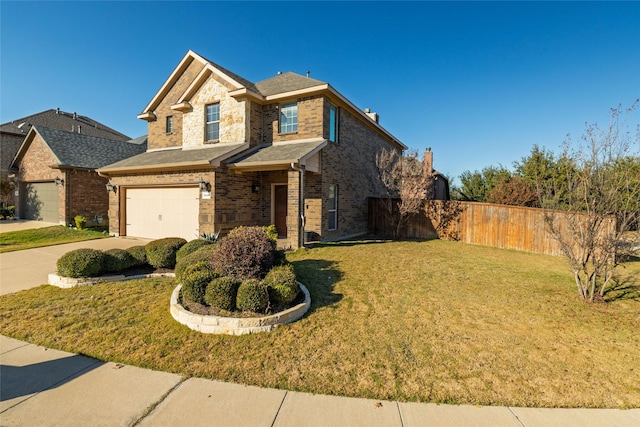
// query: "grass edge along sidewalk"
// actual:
[[38, 237]]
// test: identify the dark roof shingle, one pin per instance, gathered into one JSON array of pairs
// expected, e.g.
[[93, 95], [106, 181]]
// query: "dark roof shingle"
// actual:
[[86, 151], [286, 82]]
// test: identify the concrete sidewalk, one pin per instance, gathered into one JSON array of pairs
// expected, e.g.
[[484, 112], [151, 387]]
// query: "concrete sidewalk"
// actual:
[[45, 387]]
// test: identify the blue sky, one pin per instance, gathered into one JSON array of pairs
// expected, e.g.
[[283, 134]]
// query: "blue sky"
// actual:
[[479, 82]]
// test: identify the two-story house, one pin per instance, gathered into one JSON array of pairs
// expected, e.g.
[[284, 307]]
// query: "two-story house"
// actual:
[[224, 152]]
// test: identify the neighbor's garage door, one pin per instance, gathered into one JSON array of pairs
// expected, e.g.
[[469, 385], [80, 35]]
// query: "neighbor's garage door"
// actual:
[[39, 201], [163, 212]]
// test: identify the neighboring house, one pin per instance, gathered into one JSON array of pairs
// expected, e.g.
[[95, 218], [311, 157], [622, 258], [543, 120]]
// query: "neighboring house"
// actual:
[[56, 176], [224, 152], [439, 182], [13, 133]]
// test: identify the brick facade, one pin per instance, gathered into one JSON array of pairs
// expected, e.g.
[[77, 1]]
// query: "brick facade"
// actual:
[[246, 198], [82, 193], [158, 137]]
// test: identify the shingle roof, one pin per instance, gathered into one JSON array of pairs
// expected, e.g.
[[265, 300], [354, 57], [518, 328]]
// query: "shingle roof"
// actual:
[[286, 82], [244, 82], [57, 119], [84, 151], [282, 153], [176, 158]]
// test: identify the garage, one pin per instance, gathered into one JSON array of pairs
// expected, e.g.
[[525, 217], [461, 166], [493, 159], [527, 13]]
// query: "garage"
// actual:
[[39, 201], [155, 213]]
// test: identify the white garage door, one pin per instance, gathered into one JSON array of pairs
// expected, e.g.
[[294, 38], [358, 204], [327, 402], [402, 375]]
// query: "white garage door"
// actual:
[[155, 213]]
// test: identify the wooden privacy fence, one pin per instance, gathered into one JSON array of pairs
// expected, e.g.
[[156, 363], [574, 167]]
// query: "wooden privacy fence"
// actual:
[[509, 227]]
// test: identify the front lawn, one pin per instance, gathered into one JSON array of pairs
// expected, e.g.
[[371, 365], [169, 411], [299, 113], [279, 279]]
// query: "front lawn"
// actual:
[[47, 236], [429, 321]]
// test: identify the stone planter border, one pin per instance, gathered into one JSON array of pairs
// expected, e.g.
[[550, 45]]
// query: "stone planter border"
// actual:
[[70, 282], [237, 325]]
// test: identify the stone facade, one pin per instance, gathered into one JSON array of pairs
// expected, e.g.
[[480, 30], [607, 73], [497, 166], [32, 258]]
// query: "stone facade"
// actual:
[[233, 114]]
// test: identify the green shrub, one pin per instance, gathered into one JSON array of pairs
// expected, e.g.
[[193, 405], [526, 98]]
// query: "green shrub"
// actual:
[[245, 253], [272, 234], [280, 257], [138, 255], [221, 293], [195, 279], [282, 285], [191, 247], [252, 296], [81, 222], [117, 260], [203, 254], [161, 253], [81, 263]]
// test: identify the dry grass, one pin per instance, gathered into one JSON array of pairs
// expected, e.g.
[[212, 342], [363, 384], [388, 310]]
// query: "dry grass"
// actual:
[[46, 236], [414, 321]]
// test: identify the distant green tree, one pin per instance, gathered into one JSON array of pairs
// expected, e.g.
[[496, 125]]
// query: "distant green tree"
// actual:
[[476, 185]]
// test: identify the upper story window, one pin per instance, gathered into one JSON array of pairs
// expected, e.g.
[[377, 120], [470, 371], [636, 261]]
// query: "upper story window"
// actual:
[[212, 119], [289, 117], [169, 125], [333, 123]]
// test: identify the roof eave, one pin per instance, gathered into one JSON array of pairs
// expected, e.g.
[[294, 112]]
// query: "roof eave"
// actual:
[[364, 116]]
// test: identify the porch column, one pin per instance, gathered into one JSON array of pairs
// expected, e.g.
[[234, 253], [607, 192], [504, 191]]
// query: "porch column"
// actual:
[[294, 219]]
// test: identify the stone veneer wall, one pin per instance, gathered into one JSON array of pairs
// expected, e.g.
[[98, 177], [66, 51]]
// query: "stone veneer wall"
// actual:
[[233, 126]]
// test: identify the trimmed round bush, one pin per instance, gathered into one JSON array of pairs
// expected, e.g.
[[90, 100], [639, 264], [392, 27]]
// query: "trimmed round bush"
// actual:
[[195, 279], [245, 253], [252, 296], [203, 254], [138, 255], [117, 260], [191, 247], [221, 293], [282, 285], [161, 253], [81, 263]]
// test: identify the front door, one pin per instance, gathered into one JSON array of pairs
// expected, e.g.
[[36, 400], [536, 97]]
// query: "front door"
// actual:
[[280, 209]]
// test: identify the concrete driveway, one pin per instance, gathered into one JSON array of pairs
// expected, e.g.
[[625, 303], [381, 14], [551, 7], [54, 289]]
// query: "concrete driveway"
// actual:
[[31, 267]]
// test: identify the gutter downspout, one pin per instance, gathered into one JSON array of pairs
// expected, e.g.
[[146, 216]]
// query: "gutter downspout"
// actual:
[[302, 220]]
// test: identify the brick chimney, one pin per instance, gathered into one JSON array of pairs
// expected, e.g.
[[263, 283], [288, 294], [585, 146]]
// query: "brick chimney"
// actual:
[[428, 162]]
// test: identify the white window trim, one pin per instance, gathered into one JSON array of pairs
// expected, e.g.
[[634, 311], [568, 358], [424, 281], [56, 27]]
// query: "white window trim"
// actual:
[[168, 120], [207, 123], [283, 106]]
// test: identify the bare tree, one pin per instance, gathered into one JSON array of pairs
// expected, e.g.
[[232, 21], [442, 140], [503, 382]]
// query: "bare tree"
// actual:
[[407, 185], [592, 207]]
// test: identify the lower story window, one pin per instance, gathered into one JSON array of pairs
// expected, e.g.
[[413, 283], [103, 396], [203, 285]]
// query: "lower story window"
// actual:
[[333, 207]]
